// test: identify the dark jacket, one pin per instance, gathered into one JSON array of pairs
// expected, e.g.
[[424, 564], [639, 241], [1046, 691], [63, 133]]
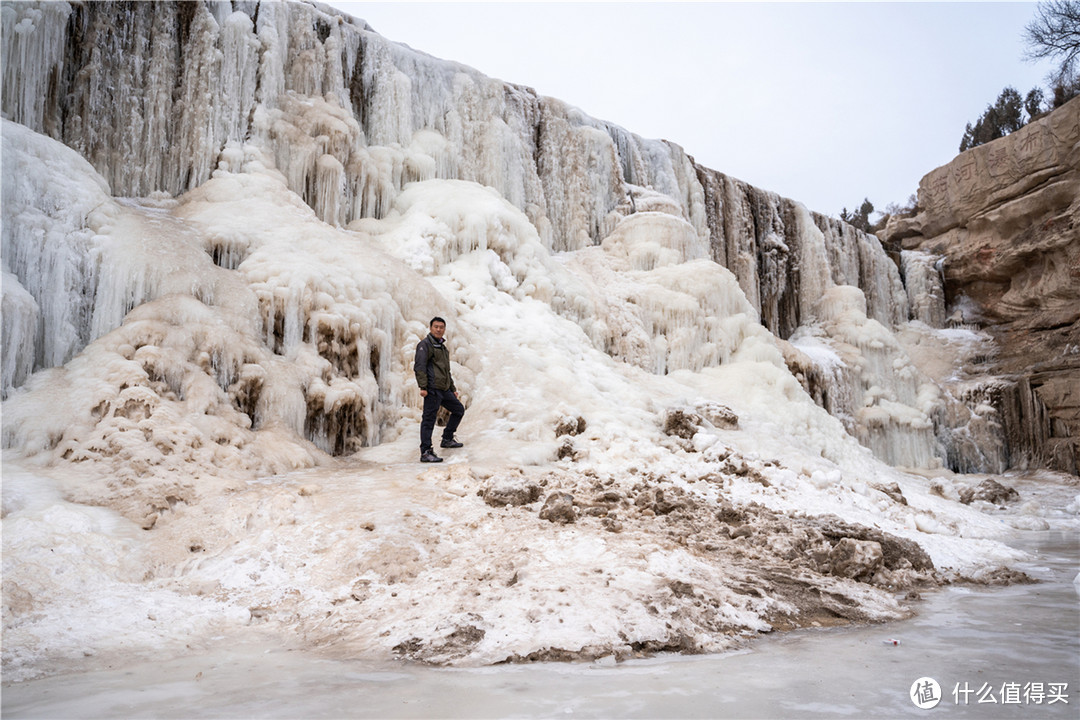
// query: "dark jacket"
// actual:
[[432, 366]]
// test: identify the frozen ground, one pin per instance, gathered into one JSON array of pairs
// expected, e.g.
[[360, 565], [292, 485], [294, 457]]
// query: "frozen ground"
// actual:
[[382, 561], [965, 637]]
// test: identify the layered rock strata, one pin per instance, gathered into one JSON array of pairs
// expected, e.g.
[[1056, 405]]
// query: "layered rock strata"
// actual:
[[1006, 218]]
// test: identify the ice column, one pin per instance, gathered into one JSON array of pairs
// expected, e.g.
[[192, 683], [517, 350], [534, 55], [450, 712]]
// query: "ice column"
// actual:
[[21, 323], [925, 286]]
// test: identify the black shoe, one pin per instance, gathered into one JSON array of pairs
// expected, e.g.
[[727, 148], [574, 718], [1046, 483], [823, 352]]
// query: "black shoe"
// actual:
[[451, 443], [429, 456]]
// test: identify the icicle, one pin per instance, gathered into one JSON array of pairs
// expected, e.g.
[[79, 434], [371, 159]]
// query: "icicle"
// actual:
[[695, 314], [588, 155], [239, 65], [33, 51], [306, 59], [196, 144], [892, 405], [329, 189], [653, 239], [815, 272], [880, 280], [49, 195], [272, 31]]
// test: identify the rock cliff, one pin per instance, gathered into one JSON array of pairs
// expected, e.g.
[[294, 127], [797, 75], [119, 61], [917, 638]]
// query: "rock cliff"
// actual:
[[1005, 217]]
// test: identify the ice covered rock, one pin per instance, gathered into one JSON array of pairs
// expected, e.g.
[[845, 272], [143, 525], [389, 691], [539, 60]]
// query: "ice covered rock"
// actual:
[[559, 508], [510, 490], [989, 490], [856, 559]]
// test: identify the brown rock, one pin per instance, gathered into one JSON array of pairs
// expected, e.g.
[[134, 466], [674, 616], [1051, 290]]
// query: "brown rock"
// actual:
[[1006, 217], [721, 416], [893, 491], [682, 422], [856, 559], [570, 426], [990, 491], [559, 508], [566, 449], [898, 552], [514, 490]]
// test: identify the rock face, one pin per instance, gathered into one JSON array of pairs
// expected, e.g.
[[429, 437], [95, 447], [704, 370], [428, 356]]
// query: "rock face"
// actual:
[[1005, 217]]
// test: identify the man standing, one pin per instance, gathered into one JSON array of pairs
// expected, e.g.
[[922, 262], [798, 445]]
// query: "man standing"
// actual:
[[432, 369]]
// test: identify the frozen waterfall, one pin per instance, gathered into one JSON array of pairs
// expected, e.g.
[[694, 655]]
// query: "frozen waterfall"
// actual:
[[182, 104]]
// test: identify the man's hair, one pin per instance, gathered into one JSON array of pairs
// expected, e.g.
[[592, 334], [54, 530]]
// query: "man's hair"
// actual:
[[435, 320]]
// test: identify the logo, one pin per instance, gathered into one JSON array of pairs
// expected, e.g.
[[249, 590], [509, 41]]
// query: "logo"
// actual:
[[925, 693]]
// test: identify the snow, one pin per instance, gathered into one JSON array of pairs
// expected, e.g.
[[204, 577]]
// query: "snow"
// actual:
[[171, 459], [210, 413]]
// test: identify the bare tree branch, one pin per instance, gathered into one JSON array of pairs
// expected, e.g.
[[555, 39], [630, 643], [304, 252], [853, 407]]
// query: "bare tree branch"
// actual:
[[1054, 33]]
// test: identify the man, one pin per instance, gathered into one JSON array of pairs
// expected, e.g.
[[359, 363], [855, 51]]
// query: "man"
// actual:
[[432, 369]]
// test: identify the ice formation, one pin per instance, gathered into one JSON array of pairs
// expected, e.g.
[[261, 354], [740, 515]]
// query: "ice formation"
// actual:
[[215, 272], [349, 120]]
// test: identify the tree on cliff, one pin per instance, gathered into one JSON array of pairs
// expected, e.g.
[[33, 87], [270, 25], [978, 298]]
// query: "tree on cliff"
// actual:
[[1000, 119], [1054, 34], [1033, 103], [861, 217]]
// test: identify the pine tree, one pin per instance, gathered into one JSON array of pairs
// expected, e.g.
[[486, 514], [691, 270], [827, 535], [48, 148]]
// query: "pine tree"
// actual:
[[1003, 117], [1033, 103]]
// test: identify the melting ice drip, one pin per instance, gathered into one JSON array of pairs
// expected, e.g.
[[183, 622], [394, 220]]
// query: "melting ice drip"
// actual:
[[160, 99]]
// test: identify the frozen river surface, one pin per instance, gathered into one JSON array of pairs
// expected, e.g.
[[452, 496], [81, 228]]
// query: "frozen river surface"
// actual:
[[1017, 646]]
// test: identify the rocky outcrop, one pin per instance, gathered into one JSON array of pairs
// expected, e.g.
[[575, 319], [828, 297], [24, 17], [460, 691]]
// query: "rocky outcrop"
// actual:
[[1005, 217]]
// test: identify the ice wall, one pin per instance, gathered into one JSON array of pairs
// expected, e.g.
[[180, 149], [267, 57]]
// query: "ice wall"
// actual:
[[785, 257], [230, 330], [158, 96]]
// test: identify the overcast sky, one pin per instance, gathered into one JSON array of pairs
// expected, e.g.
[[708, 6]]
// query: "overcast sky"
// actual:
[[823, 103]]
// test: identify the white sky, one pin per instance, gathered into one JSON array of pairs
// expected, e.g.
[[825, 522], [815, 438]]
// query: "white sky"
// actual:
[[826, 103]]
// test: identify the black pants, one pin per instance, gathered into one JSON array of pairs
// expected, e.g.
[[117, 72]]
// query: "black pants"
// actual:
[[434, 400]]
